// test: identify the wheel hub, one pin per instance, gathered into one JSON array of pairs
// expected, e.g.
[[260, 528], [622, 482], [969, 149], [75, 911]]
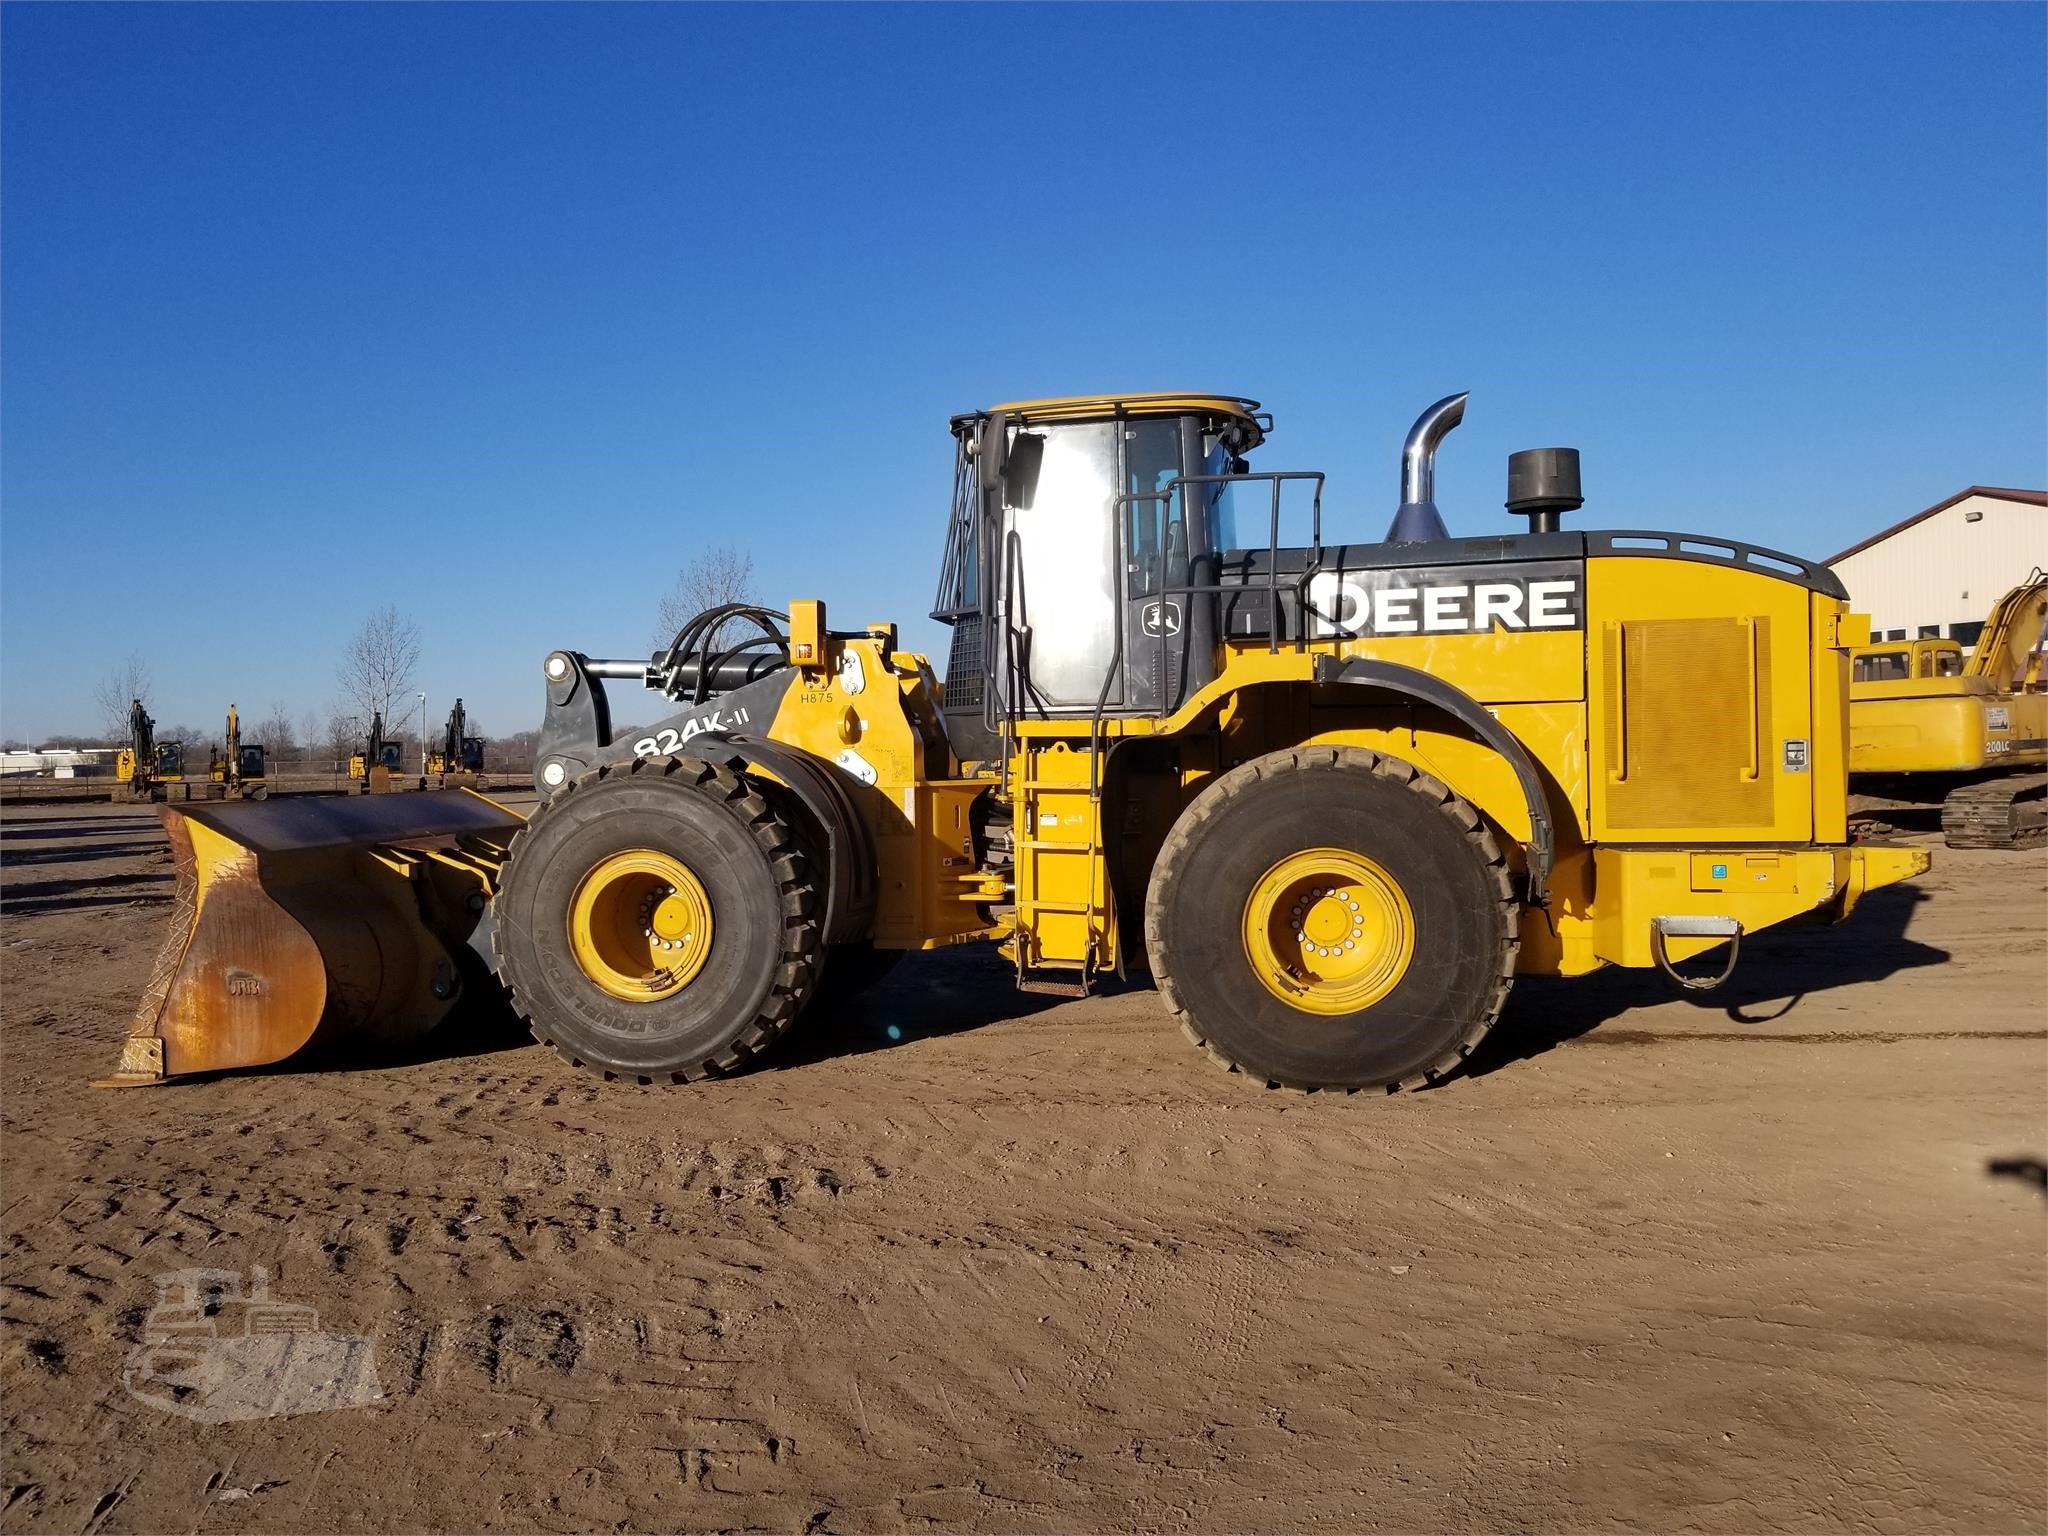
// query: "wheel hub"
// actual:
[[1328, 931], [640, 925]]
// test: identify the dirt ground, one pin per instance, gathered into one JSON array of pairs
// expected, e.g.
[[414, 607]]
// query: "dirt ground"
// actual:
[[969, 1261]]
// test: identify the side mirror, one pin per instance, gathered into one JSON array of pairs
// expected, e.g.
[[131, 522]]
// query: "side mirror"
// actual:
[[1020, 470]]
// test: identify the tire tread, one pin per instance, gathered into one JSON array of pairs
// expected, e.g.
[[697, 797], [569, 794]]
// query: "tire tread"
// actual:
[[802, 947], [1240, 782]]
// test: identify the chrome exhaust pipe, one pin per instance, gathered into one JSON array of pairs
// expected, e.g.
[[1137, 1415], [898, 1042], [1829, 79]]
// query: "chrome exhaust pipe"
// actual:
[[1416, 520]]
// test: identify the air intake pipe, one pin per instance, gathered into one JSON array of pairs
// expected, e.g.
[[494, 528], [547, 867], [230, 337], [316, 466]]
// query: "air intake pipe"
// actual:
[[1416, 520]]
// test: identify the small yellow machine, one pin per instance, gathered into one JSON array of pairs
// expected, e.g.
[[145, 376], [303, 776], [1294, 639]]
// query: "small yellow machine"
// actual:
[[376, 768], [146, 766], [459, 761], [1333, 795], [1929, 724], [239, 767]]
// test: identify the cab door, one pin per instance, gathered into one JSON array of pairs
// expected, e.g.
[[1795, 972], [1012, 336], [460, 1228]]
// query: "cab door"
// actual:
[[1158, 614], [1060, 596]]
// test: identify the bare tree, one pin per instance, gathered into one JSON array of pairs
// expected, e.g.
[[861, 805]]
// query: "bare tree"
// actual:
[[718, 576], [344, 735], [117, 694], [378, 666], [275, 731]]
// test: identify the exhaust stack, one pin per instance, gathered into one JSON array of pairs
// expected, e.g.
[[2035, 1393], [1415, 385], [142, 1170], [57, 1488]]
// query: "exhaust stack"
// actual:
[[1416, 520]]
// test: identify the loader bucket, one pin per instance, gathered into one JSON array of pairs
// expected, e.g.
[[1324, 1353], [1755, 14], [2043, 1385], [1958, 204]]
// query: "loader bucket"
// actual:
[[312, 926]]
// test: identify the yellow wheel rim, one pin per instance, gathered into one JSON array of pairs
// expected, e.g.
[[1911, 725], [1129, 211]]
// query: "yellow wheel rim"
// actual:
[[640, 925], [1328, 931]]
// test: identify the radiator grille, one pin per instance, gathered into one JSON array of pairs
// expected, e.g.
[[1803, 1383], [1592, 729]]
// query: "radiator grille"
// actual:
[[1687, 713], [966, 673]]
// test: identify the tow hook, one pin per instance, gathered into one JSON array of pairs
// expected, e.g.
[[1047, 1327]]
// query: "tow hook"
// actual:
[[1727, 928]]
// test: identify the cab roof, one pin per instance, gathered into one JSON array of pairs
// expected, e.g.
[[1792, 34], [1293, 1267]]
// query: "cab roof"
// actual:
[[1170, 403]]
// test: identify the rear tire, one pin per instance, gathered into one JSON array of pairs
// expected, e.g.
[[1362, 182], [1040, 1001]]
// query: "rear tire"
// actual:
[[1414, 858], [747, 872]]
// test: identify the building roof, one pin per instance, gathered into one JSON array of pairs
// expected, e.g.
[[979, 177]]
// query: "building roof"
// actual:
[[2001, 492]]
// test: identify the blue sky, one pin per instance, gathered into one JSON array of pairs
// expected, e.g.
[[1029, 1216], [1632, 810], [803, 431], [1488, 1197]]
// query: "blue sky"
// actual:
[[499, 314]]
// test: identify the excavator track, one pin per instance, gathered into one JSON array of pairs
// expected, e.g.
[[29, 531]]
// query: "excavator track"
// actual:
[[2008, 812]]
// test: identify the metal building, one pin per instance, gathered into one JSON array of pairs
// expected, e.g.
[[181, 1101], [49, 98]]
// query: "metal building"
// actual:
[[57, 763], [1938, 572]]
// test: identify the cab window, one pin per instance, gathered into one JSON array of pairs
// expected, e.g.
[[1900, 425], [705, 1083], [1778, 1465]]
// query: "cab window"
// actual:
[[1883, 667], [1157, 545]]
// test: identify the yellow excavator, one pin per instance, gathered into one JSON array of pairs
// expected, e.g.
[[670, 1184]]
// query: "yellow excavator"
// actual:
[[376, 769], [146, 766], [458, 762], [239, 768], [1333, 794], [1930, 725]]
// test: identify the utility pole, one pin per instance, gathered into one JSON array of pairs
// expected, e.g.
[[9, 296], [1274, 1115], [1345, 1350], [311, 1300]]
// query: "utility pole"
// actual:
[[423, 738]]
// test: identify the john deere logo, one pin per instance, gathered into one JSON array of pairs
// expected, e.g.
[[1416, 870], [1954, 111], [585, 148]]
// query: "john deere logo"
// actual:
[[1162, 618], [246, 984], [1456, 600]]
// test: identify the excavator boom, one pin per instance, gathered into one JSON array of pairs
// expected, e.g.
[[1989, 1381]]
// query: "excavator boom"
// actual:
[[2009, 652]]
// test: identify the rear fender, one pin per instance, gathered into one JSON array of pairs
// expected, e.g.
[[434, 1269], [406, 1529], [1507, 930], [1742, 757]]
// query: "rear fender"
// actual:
[[1390, 677]]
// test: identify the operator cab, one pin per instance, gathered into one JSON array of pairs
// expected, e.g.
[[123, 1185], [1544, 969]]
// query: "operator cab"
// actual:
[[1078, 528], [1905, 661]]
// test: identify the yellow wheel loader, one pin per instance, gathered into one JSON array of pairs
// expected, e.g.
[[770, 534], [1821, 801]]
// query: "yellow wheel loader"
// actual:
[[1333, 795], [1929, 725]]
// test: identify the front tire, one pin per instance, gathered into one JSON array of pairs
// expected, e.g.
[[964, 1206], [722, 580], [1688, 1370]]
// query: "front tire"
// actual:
[[1327, 917], [656, 920]]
